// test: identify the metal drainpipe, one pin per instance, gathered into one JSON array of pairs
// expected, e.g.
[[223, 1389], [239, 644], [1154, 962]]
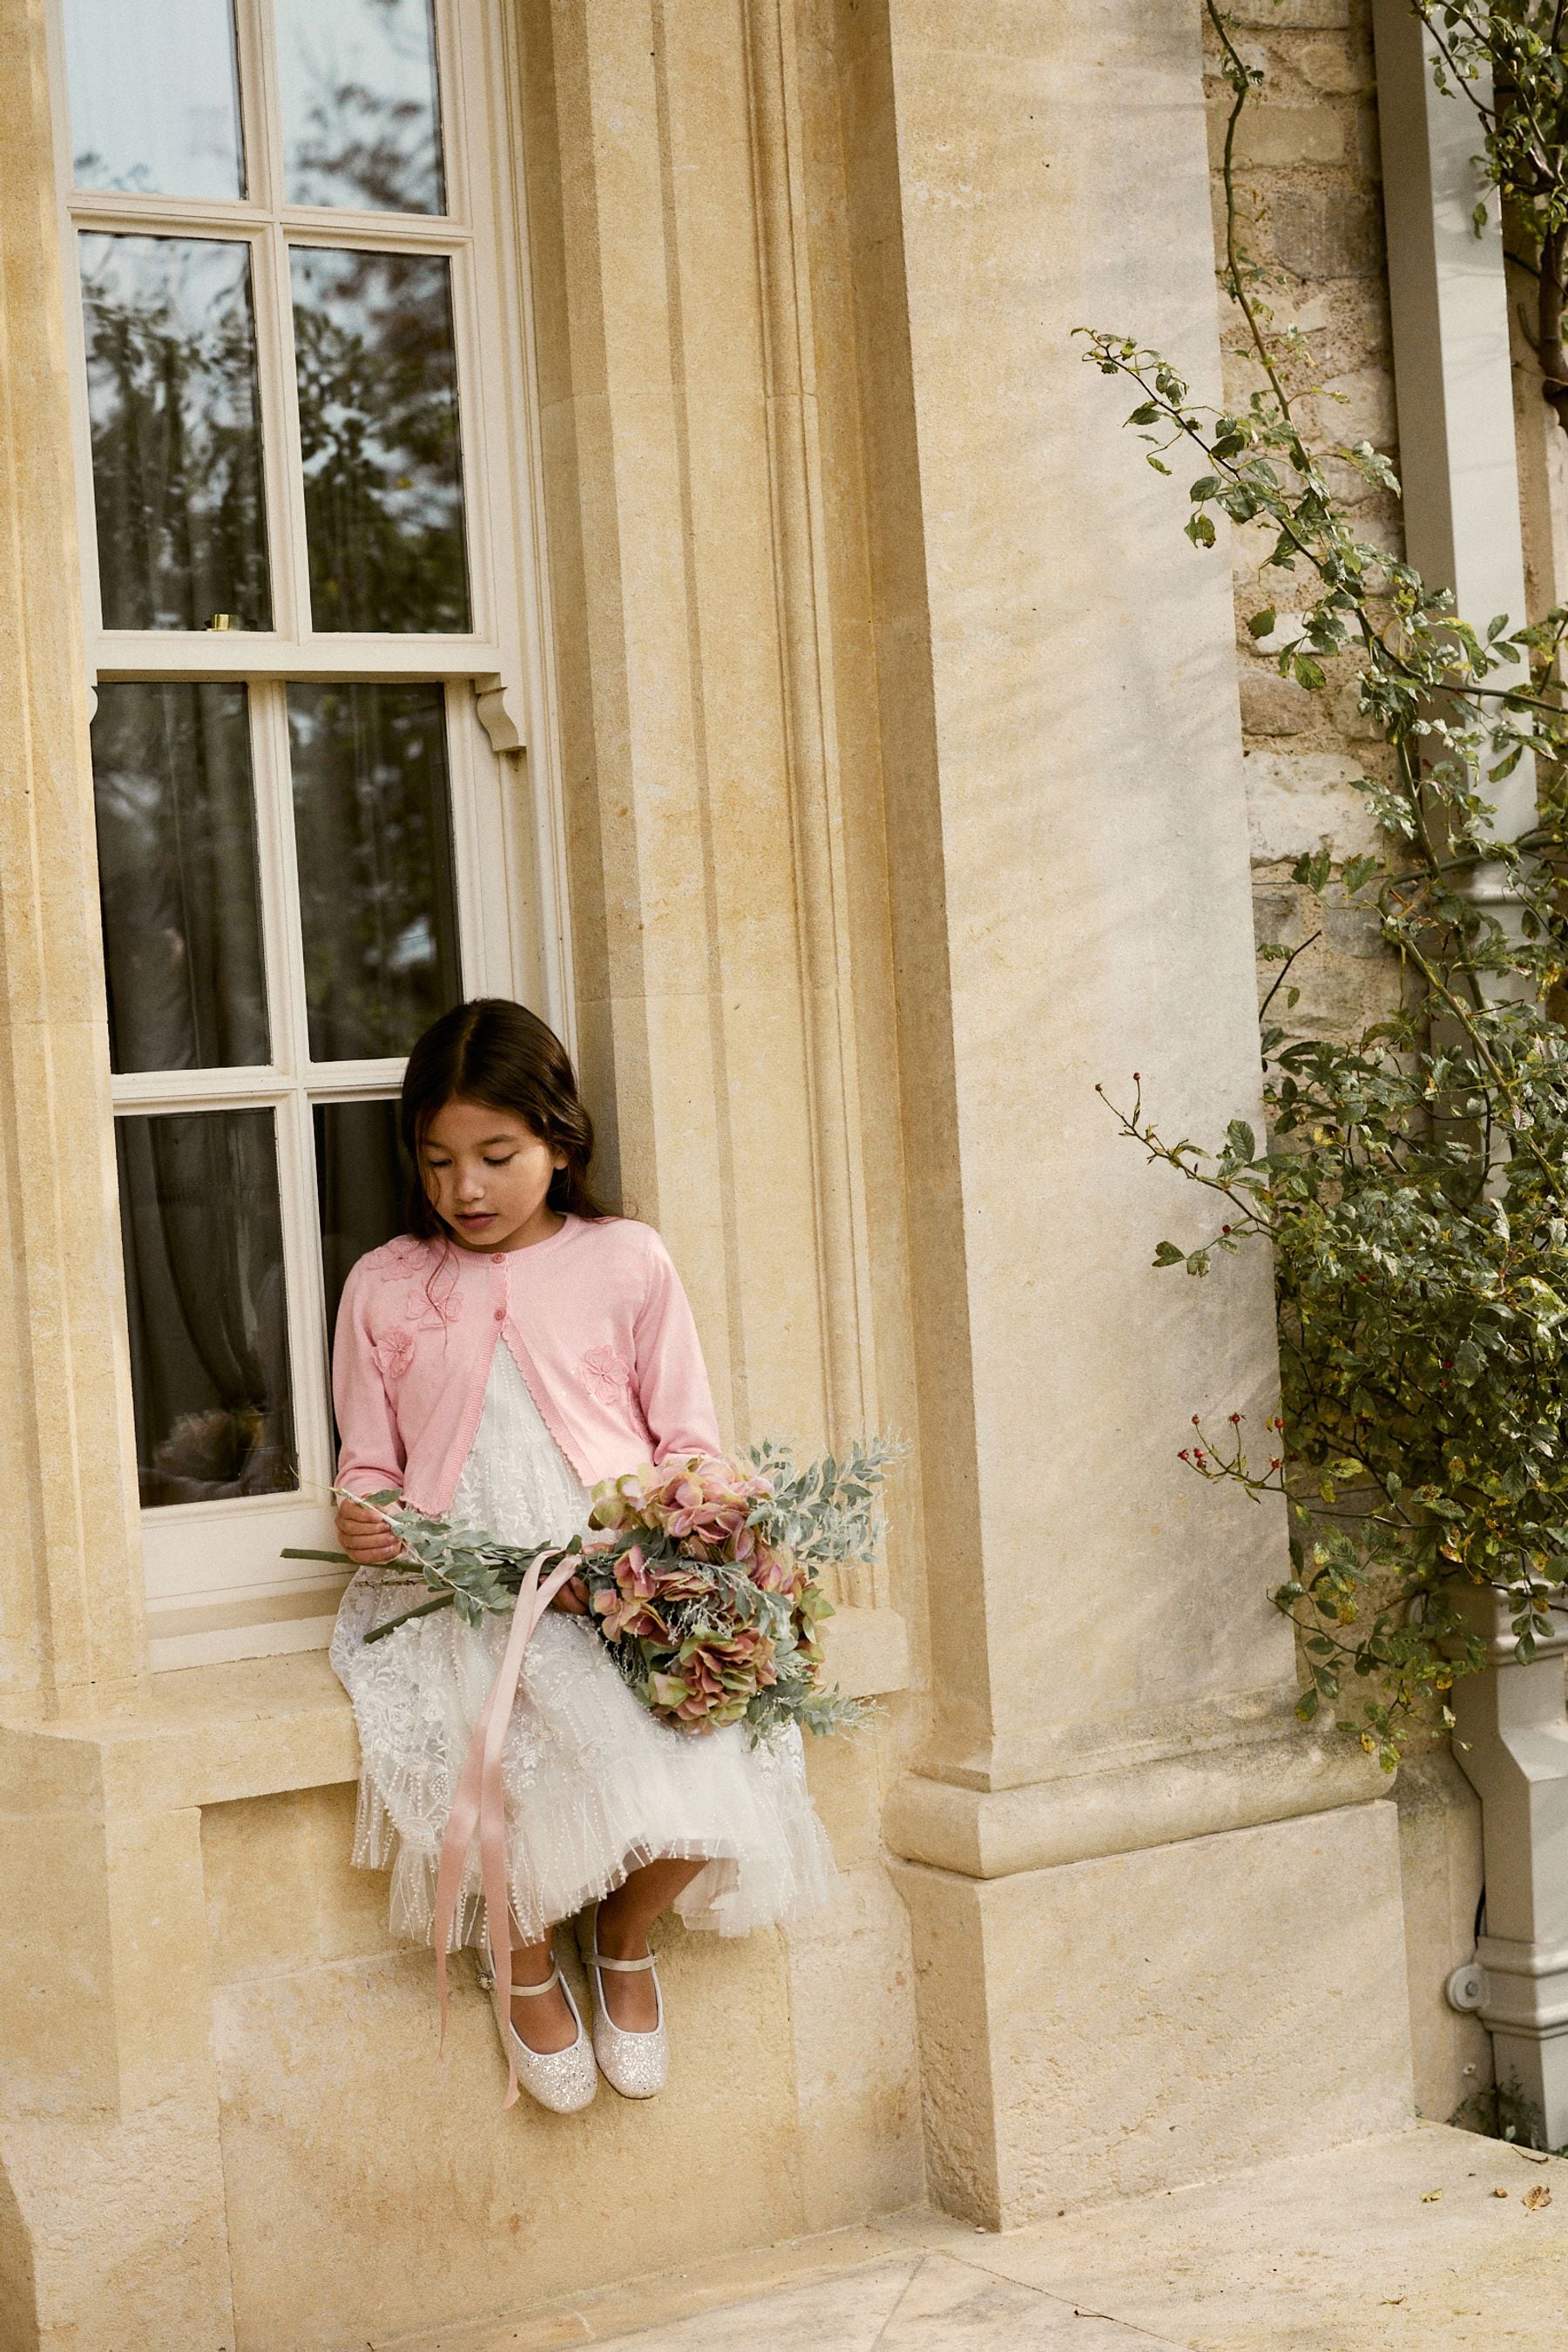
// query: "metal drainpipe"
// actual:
[[1511, 1740], [1459, 466]]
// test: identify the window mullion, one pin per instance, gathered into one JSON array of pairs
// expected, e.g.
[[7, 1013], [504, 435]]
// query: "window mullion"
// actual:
[[278, 461], [291, 576], [280, 878], [302, 1278], [290, 1053], [291, 450], [257, 99]]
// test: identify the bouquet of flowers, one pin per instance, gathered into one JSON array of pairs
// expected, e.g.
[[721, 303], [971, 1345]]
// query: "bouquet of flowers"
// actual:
[[704, 1577]]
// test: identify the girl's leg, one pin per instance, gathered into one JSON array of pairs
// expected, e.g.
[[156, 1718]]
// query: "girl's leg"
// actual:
[[544, 2021], [625, 1918]]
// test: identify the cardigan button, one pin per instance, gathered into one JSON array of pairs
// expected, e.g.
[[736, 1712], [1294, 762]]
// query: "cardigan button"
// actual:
[[500, 1314]]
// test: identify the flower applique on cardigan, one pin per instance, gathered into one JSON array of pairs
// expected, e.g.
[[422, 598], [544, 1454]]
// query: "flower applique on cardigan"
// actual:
[[429, 1309], [395, 1351], [398, 1258], [608, 1373]]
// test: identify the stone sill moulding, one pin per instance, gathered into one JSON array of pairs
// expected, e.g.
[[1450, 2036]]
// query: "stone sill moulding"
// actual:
[[260, 1727]]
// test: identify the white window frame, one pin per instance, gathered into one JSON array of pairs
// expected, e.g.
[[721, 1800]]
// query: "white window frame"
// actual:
[[217, 1587]]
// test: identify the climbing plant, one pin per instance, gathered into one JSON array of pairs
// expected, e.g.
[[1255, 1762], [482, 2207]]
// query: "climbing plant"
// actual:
[[1510, 65], [1413, 1183]]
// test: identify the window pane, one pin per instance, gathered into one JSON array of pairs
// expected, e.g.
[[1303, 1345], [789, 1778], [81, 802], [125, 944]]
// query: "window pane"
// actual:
[[378, 421], [176, 444], [154, 98], [360, 1179], [361, 124], [372, 823], [177, 877], [209, 1327]]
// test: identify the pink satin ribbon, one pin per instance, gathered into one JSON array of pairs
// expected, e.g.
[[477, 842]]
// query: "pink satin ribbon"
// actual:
[[481, 1800]]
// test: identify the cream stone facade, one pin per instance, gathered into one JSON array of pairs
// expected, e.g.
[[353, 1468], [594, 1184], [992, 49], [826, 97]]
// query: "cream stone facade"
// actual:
[[905, 760]]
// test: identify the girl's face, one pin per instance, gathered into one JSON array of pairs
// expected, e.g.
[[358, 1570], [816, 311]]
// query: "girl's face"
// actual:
[[486, 1174]]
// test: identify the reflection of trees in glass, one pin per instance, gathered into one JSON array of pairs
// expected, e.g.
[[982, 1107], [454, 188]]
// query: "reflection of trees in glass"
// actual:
[[361, 124], [362, 1177], [177, 449], [177, 879], [378, 427], [204, 1279], [373, 823]]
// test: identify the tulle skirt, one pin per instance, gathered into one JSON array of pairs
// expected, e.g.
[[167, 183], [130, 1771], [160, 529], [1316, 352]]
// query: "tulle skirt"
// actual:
[[594, 1786]]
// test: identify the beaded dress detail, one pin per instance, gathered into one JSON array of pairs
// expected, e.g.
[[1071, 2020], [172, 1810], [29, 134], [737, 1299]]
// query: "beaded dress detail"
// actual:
[[594, 1786]]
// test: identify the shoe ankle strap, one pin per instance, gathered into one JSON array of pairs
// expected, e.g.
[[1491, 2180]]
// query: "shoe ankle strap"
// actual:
[[622, 1967], [531, 1992]]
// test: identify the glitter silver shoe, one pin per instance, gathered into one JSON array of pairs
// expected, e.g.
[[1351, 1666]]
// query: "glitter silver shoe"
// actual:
[[635, 2064], [561, 2080]]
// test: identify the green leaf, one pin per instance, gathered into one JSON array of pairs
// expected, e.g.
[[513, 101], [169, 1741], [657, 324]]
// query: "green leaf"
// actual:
[[1200, 530], [1167, 1254], [1261, 624]]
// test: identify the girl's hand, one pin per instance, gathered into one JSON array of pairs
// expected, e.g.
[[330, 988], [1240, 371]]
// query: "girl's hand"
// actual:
[[573, 1597], [365, 1536]]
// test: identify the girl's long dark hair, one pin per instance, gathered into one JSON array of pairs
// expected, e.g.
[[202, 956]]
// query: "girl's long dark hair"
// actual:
[[494, 1052]]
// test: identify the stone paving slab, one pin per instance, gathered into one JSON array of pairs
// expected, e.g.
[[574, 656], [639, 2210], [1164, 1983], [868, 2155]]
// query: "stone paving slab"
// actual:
[[1402, 2243]]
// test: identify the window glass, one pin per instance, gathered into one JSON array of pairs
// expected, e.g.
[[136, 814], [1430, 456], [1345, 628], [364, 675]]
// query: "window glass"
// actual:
[[374, 829], [357, 87], [176, 444], [378, 425], [209, 1332], [177, 877], [361, 1175], [154, 101]]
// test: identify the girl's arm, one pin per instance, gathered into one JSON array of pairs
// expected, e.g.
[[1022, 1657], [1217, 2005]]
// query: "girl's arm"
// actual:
[[372, 1455], [672, 1379]]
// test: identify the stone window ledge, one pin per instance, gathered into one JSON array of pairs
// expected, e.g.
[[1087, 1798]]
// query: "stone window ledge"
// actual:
[[259, 1727]]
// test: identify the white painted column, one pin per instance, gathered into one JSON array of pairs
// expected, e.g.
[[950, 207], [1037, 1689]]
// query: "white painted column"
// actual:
[[1459, 464], [1448, 305]]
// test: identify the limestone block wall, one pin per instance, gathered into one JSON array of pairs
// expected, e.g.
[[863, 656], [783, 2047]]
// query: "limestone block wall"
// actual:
[[413, 2197], [1310, 174]]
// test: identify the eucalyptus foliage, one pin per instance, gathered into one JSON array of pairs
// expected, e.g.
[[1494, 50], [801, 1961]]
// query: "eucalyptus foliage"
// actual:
[[703, 1578], [1413, 1186]]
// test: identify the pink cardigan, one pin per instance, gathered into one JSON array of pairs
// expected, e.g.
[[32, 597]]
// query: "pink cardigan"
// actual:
[[596, 1318]]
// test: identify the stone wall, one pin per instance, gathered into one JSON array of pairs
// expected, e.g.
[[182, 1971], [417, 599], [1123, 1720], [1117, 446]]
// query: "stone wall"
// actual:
[[1308, 174], [1310, 183]]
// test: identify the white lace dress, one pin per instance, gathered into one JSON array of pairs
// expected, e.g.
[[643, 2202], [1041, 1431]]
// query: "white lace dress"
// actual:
[[594, 1786]]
